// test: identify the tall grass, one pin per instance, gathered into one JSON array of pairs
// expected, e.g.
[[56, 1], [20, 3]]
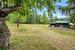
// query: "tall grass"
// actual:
[[23, 38]]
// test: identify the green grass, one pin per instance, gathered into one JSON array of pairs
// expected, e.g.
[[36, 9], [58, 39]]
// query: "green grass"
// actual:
[[30, 43], [64, 31], [27, 38], [23, 38]]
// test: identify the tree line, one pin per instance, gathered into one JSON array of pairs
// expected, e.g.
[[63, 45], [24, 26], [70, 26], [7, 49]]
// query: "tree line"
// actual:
[[32, 18]]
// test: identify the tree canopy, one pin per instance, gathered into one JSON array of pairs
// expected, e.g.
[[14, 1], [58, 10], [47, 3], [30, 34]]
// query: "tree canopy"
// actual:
[[27, 5], [69, 10]]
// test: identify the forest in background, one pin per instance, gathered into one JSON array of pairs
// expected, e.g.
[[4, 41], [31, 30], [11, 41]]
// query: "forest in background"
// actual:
[[28, 13], [33, 18]]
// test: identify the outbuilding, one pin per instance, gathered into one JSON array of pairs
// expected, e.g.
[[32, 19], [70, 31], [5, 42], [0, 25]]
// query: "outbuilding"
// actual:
[[64, 24]]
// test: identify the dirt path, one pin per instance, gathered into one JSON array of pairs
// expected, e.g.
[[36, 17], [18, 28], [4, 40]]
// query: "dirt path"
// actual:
[[55, 39]]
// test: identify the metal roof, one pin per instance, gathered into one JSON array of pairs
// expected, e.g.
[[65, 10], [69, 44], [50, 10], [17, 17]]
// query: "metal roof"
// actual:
[[60, 22]]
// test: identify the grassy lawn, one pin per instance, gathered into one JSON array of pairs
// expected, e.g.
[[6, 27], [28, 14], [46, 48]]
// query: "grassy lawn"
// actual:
[[29, 36], [23, 38], [64, 31]]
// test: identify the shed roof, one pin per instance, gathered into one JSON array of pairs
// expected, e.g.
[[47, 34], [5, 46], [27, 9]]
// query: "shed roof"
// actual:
[[60, 22]]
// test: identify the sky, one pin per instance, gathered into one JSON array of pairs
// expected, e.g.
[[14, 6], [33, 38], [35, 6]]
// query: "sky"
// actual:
[[58, 14]]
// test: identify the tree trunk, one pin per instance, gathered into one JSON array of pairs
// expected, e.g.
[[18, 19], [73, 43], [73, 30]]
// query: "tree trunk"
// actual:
[[17, 24], [4, 35], [4, 31]]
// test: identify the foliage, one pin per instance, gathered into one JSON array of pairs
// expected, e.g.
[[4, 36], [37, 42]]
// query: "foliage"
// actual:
[[2, 48], [72, 18], [44, 19], [70, 10], [56, 18], [32, 3], [27, 5], [27, 12], [51, 18], [13, 17], [32, 18]]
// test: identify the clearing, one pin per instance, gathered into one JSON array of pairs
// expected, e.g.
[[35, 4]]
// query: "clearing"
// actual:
[[39, 37]]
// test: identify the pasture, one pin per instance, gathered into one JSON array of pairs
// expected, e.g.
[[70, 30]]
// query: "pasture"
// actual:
[[40, 37]]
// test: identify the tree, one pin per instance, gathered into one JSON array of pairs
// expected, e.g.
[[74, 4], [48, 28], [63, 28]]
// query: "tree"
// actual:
[[8, 6], [69, 10], [4, 31], [45, 19], [56, 18], [51, 18]]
